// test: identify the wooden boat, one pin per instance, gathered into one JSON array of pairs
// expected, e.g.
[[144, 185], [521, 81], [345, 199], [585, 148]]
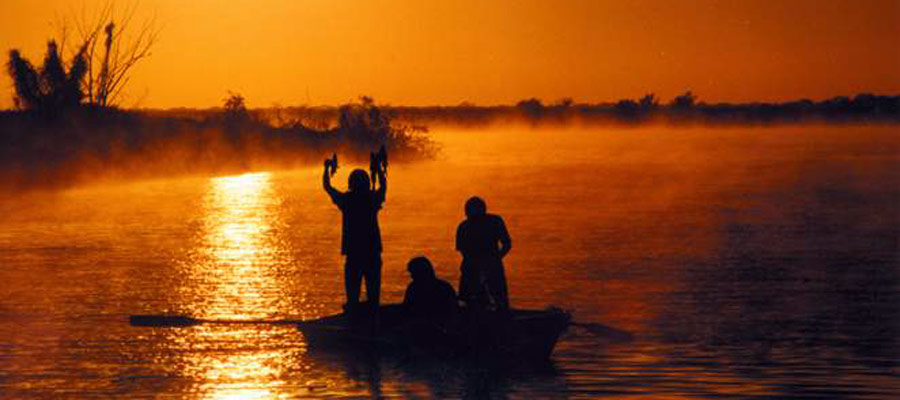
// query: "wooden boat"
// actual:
[[511, 336], [514, 335]]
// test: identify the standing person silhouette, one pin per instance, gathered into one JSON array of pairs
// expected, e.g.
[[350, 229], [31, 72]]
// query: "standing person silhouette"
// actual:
[[483, 241], [360, 235]]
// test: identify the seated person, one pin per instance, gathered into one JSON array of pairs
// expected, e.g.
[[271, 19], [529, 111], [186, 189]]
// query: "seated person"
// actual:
[[427, 296]]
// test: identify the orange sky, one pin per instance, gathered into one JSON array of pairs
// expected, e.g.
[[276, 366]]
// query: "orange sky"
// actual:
[[425, 52]]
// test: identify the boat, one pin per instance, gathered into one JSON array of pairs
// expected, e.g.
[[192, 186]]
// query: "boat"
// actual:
[[511, 336], [515, 335]]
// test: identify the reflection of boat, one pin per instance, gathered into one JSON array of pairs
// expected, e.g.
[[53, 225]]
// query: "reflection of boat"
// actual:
[[517, 335]]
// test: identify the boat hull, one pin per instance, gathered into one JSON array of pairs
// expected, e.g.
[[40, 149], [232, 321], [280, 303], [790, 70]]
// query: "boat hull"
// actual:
[[511, 336]]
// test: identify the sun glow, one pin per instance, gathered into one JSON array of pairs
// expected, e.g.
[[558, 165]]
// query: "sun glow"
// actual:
[[235, 273], [419, 53], [238, 231], [234, 265]]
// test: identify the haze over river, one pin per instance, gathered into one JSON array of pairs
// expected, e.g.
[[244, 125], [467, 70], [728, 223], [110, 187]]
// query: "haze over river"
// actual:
[[745, 261]]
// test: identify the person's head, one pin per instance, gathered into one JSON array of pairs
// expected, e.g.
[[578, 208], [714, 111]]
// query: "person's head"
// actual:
[[475, 207], [420, 269], [358, 181]]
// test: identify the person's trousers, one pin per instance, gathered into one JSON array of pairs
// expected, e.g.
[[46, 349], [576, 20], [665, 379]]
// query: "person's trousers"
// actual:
[[483, 283], [357, 268]]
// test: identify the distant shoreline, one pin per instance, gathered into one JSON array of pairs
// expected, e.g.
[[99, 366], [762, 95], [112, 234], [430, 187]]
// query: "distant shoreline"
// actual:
[[83, 143], [683, 110], [79, 144]]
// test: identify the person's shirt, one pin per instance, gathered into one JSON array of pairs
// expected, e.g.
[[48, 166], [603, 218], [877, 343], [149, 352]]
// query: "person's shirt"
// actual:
[[429, 298], [360, 232], [480, 236]]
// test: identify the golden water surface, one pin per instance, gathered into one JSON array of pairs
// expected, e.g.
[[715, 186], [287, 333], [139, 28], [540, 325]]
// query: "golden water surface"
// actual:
[[746, 262]]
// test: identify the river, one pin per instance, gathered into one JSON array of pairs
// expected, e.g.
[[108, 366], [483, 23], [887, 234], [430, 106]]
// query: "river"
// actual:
[[752, 261]]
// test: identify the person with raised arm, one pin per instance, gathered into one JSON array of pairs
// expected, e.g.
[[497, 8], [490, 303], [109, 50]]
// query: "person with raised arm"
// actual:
[[360, 234]]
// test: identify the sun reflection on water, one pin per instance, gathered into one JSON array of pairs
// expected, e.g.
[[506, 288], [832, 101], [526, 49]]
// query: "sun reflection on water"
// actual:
[[237, 271], [236, 265]]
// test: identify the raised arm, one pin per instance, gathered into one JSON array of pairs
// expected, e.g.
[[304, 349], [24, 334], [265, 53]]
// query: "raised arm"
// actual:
[[326, 184], [382, 183]]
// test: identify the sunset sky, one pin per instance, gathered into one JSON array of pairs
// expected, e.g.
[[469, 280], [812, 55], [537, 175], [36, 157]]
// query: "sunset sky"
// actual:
[[415, 52]]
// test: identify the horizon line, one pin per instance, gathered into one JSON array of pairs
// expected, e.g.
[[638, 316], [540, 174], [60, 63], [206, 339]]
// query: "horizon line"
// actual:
[[467, 103]]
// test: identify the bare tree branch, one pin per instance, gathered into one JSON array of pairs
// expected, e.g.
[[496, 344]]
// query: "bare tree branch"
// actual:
[[109, 66]]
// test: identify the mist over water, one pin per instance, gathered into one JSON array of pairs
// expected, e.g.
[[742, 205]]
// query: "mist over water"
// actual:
[[746, 262]]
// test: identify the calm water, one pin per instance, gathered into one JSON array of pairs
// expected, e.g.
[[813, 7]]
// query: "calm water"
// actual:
[[747, 262]]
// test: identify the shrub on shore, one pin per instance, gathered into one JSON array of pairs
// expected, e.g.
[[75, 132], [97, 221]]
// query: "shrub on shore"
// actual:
[[85, 143]]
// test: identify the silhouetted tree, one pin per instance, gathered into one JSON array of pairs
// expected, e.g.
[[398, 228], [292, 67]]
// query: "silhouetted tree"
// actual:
[[235, 107], [25, 81], [236, 118], [109, 67], [365, 126], [364, 123], [51, 89], [531, 107], [648, 102], [685, 101], [626, 108]]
